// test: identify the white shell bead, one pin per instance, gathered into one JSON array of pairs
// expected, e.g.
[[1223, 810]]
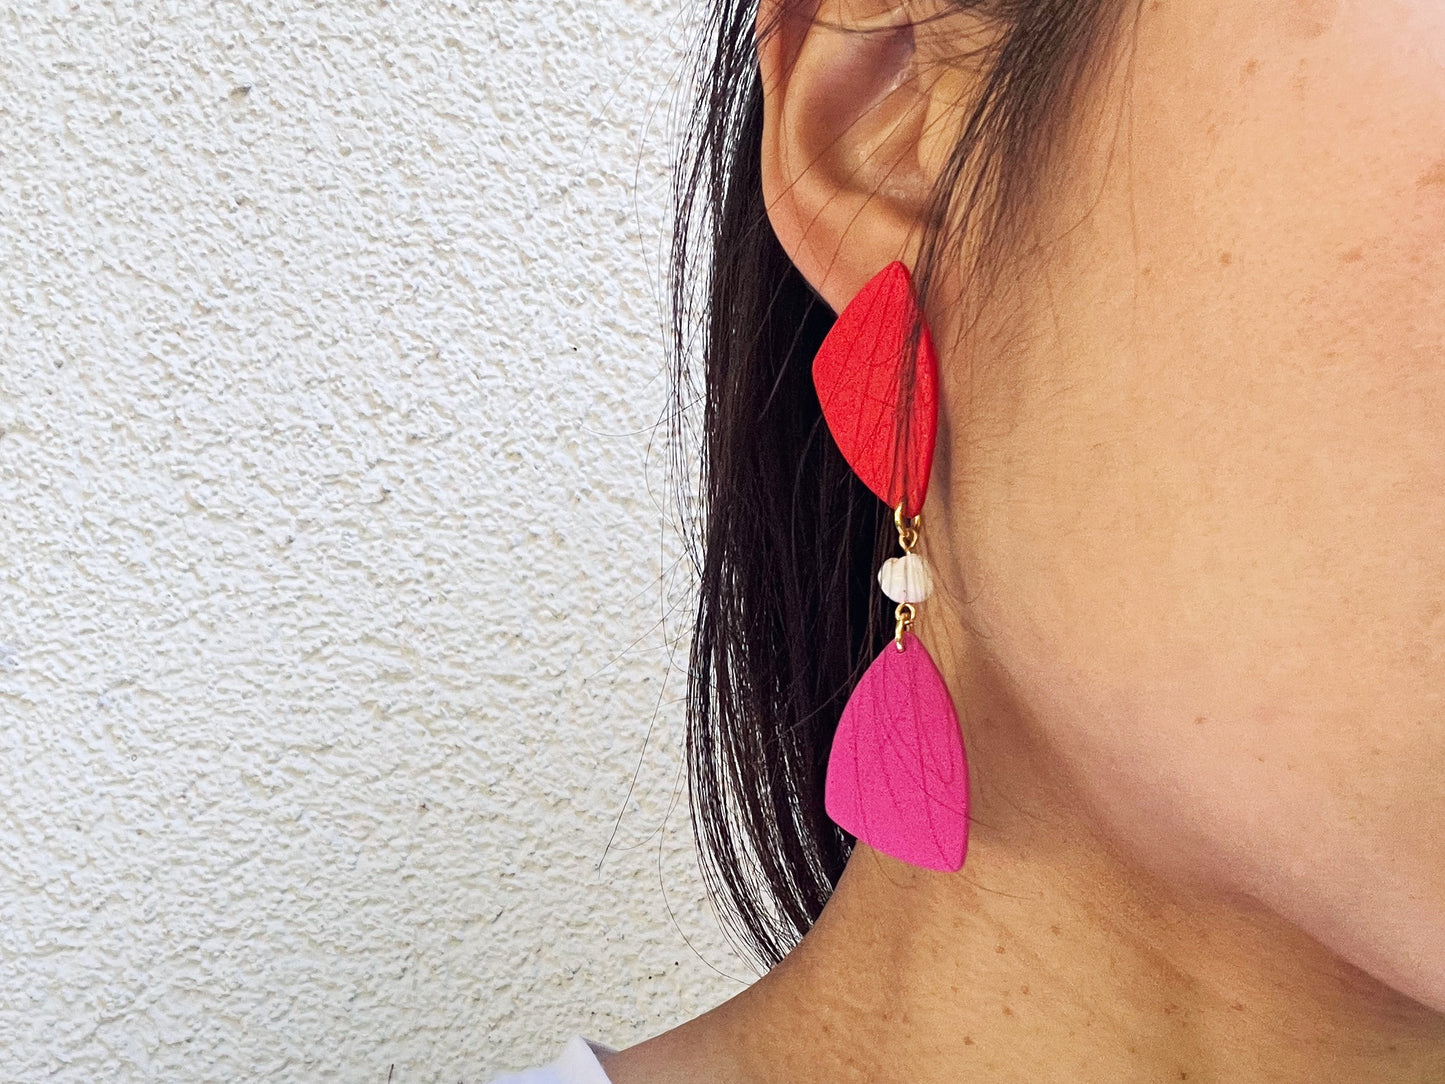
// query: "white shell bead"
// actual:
[[906, 579]]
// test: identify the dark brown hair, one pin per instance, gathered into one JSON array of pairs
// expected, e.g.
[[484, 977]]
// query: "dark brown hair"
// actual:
[[784, 538]]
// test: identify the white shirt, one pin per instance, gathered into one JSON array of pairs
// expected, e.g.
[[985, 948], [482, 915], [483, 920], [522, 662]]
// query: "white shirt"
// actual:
[[577, 1064]]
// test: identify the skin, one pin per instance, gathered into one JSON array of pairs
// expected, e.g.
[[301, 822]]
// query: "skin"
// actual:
[[1187, 512]]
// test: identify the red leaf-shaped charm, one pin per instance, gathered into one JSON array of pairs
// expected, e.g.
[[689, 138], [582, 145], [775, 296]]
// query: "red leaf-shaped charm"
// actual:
[[897, 774], [858, 374]]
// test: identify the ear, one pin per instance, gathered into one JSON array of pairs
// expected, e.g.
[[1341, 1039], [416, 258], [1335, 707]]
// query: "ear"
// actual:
[[861, 108]]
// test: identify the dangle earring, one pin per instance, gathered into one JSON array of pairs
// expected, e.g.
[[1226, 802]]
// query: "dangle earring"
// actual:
[[897, 773]]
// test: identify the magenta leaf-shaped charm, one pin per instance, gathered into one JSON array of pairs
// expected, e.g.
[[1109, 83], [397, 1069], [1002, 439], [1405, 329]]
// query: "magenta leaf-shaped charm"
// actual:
[[897, 774]]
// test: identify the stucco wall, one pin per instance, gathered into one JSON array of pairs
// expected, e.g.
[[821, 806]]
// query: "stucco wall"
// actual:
[[335, 602]]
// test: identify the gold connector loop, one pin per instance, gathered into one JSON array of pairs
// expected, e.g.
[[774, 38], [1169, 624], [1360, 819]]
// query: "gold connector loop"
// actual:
[[903, 619], [907, 528]]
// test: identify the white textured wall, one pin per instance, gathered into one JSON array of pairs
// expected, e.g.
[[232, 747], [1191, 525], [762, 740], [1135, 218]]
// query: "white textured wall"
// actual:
[[332, 540]]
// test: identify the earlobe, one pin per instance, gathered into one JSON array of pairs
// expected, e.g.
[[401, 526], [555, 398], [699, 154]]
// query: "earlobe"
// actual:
[[849, 129]]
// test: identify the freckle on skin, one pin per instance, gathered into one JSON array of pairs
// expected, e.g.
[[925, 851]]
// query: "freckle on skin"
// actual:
[[1355, 255], [968, 1040], [1007, 1011], [1226, 259], [1310, 18], [1251, 67], [1433, 176]]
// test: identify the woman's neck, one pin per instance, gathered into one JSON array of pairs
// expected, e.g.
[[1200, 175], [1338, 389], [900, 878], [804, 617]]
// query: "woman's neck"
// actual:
[[1050, 963], [1066, 965]]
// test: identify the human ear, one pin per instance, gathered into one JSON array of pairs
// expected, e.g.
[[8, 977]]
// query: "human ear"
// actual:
[[861, 110]]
